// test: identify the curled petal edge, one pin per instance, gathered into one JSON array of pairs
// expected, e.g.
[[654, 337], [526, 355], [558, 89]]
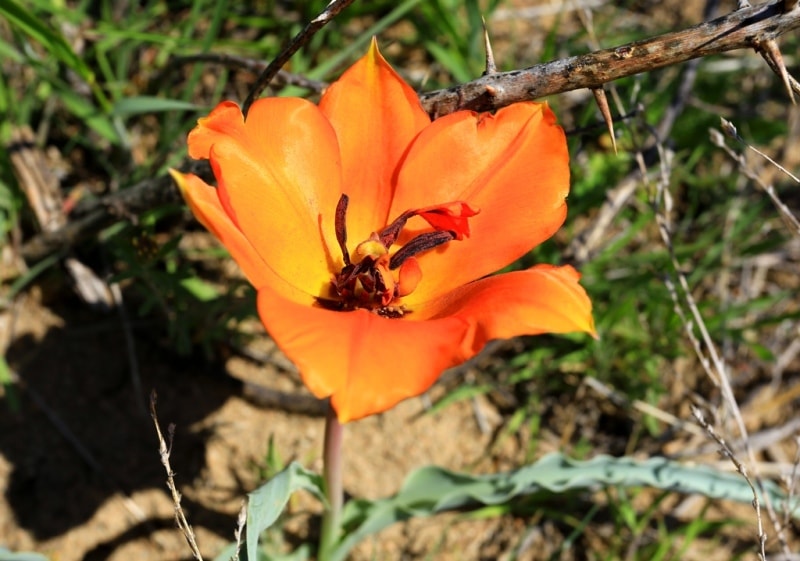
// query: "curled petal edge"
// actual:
[[513, 166]]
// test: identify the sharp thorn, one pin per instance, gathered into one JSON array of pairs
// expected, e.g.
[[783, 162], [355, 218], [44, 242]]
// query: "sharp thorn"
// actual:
[[602, 103], [770, 51], [491, 67]]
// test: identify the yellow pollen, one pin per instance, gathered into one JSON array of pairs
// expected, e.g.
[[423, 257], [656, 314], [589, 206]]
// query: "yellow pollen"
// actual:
[[371, 247]]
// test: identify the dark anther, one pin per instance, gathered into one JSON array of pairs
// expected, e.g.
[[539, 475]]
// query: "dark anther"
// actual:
[[341, 227], [350, 272], [421, 243], [389, 234]]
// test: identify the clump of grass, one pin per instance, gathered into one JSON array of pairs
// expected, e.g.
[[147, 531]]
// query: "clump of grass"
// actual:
[[101, 85]]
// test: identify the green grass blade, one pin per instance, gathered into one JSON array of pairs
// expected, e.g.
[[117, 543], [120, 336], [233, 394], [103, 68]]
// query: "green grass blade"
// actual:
[[148, 104]]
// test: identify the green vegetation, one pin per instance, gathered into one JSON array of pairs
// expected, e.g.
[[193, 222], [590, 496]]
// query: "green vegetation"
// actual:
[[106, 89]]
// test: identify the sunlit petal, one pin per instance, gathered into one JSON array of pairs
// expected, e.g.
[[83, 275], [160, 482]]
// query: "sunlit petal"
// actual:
[[204, 203], [365, 362], [543, 299], [375, 115], [512, 166], [279, 180]]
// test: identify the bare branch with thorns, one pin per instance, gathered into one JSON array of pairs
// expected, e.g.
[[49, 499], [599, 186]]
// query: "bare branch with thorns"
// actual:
[[750, 28]]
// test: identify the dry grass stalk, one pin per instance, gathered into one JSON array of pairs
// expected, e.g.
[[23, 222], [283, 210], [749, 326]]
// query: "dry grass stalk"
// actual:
[[164, 452]]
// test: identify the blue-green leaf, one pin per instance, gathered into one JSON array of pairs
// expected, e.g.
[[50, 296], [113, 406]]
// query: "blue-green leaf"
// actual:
[[6, 555], [430, 489], [267, 502]]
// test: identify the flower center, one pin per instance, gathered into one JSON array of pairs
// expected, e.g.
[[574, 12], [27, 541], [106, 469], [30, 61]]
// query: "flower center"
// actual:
[[374, 277]]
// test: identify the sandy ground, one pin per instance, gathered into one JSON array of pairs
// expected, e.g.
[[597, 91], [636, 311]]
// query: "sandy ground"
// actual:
[[80, 476]]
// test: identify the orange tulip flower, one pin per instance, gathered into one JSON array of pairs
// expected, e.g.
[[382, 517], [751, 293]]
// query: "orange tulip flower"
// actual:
[[370, 231]]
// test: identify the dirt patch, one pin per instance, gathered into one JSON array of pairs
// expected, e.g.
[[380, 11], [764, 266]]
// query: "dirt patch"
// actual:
[[79, 466], [80, 477]]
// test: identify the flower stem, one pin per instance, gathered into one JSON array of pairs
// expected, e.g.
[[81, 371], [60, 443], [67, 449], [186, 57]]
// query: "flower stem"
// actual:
[[332, 473]]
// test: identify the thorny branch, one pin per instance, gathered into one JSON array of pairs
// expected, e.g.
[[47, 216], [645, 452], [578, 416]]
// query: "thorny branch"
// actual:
[[750, 27]]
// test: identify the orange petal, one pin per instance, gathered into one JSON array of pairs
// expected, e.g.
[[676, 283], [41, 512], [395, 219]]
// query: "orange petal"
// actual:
[[543, 299], [279, 180], [513, 166], [225, 120], [408, 277], [450, 216], [375, 115], [205, 205], [365, 362]]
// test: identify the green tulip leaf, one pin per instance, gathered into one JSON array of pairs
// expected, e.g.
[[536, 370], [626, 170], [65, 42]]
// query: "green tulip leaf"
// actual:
[[6, 555], [267, 502], [430, 490]]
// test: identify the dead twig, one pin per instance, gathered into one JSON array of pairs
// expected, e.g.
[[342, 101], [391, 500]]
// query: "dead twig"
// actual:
[[282, 78], [758, 441], [728, 453], [709, 356], [238, 534], [791, 486], [333, 8], [621, 400], [126, 203], [164, 452], [786, 214], [730, 129]]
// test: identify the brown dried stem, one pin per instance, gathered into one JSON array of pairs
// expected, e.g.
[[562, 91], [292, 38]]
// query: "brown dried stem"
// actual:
[[282, 78], [728, 453], [164, 451], [710, 359], [791, 221], [100, 214], [333, 8]]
